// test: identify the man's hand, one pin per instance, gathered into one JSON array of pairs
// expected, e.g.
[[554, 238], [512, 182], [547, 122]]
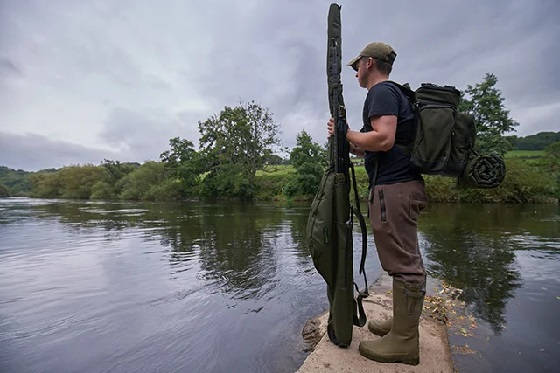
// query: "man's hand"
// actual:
[[356, 150], [330, 127]]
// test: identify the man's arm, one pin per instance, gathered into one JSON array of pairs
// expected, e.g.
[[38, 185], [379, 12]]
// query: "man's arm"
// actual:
[[382, 138]]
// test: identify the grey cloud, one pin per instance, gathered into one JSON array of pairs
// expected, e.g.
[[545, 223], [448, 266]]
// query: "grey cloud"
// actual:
[[153, 71], [35, 152], [8, 68], [144, 136]]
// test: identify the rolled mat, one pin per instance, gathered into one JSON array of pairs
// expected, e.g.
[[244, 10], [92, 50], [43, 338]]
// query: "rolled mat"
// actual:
[[484, 171]]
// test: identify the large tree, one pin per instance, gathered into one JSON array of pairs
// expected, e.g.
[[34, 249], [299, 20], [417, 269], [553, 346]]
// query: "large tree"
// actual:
[[234, 144], [486, 104]]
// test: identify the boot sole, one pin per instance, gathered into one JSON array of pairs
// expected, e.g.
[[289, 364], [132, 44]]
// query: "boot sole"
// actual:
[[379, 359]]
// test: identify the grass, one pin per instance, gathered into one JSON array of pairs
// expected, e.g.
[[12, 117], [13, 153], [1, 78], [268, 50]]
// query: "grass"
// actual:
[[276, 170], [525, 154]]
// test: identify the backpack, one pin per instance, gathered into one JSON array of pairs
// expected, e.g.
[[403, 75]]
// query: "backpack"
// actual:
[[444, 137]]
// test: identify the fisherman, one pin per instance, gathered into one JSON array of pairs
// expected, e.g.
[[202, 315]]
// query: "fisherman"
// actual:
[[396, 197]]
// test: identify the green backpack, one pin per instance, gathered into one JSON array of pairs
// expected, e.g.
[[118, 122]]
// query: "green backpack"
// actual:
[[445, 138]]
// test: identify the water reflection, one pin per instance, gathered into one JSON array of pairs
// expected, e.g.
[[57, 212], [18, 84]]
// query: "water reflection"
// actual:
[[473, 248], [234, 243]]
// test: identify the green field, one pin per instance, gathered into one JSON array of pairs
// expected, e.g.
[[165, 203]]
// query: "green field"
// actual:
[[525, 154]]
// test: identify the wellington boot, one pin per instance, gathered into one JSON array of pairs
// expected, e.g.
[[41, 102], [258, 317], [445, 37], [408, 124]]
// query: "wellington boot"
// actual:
[[380, 327], [400, 345]]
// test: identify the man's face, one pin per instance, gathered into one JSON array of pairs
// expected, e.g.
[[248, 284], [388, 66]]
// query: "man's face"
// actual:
[[361, 71]]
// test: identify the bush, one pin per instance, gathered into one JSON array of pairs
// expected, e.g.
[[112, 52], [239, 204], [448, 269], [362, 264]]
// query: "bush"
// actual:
[[135, 185], [168, 190], [102, 190], [4, 192], [523, 183]]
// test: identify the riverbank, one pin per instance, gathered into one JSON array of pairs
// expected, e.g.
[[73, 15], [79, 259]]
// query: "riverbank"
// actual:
[[435, 352], [529, 179]]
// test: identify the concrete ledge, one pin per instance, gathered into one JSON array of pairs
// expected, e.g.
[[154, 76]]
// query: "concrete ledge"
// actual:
[[435, 355]]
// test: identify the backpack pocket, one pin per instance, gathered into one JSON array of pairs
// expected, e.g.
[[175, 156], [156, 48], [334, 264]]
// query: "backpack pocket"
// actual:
[[433, 137], [462, 144], [319, 232]]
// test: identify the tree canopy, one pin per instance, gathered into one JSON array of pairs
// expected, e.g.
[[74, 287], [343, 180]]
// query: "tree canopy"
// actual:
[[234, 144], [486, 104]]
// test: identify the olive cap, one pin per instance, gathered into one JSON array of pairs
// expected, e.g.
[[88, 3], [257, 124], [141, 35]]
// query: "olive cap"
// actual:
[[381, 51]]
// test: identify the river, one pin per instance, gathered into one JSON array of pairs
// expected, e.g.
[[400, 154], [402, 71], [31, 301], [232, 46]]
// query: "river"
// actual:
[[226, 287]]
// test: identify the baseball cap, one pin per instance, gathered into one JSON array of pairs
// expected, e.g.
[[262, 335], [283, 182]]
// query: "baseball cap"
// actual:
[[377, 50]]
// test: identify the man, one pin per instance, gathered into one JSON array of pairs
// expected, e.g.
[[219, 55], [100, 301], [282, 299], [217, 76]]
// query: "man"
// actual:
[[396, 198]]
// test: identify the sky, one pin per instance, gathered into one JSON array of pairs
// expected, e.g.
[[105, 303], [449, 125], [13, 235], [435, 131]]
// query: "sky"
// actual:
[[83, 81]]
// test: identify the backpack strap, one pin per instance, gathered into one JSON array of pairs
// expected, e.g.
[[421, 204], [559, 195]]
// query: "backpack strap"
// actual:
[[358, 306], [411, 95]]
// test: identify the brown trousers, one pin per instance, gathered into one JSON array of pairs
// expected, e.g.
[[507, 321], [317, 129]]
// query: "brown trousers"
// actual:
[[394, 210]]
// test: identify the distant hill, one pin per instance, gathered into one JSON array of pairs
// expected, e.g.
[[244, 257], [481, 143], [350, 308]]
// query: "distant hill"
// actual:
[[534, 142]]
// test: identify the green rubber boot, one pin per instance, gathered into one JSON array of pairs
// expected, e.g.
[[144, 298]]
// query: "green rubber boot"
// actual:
[[400, 345], [380, 327]]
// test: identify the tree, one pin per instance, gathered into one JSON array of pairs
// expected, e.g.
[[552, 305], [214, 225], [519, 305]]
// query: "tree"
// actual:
[[486, 104], [552, 152], [142, 182], [234, 145], [117, 170], [309, 159], [182, 163], [4, 192]]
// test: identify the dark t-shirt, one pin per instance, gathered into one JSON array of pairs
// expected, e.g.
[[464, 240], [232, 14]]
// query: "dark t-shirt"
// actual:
[[394, 165]]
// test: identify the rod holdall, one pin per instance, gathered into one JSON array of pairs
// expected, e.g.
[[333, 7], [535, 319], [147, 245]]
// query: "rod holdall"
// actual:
[[328, 233]]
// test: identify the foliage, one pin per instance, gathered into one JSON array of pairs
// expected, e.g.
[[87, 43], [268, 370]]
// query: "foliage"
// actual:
[[234, 144], [68, 182], [524, 183], [45, 185], [553, 156], [486, 104], [309, 160], [272, 180], [538, 141], [138, 184], [4, 192], [552, 151], [117, 170], [275, 159], [16, 181], [102, 190], [525, 154], [77, 181], [183, 164], [168, 190]]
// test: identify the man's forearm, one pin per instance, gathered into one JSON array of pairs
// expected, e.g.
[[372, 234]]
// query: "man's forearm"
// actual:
[[372, 140]]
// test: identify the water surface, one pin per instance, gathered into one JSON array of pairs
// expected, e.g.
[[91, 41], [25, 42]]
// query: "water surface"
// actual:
[[222, 287]]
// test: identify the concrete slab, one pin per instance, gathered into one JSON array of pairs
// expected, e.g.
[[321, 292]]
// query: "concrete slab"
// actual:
[[435, 355]]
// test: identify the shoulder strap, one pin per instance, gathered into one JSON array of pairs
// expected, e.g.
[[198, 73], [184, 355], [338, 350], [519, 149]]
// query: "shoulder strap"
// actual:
[[405, 88], [362, 319], [411, 95]]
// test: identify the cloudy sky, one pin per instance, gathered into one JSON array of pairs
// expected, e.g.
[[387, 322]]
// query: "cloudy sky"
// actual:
[[81, 81]]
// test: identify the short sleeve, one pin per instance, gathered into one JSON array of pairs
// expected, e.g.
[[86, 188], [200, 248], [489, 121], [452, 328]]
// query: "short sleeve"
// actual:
[[383, 101]]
